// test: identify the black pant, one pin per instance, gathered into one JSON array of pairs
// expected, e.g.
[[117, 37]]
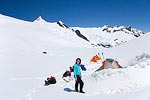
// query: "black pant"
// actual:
[[79, 81]]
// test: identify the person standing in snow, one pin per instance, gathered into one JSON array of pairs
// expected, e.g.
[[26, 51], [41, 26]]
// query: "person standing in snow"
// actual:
[[77, 75]]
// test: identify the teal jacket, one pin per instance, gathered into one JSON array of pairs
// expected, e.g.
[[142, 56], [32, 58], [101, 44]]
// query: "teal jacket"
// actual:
[[77, 70]]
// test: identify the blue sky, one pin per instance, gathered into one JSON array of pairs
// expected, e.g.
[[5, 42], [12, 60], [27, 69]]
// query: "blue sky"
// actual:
[[83, 13]]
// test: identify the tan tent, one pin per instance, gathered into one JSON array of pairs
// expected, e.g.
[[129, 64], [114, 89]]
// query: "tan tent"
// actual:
[[109, 63]]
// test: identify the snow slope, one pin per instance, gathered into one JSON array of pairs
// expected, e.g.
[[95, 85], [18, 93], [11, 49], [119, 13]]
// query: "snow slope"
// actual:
[[24, 67]]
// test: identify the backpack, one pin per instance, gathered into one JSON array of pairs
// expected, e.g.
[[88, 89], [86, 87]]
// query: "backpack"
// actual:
[[51, 78]]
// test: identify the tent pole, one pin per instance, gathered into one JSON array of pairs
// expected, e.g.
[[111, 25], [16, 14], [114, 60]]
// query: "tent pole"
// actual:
[[103, 56]]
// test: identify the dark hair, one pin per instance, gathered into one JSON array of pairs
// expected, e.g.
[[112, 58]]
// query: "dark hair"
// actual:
[[79, 60]]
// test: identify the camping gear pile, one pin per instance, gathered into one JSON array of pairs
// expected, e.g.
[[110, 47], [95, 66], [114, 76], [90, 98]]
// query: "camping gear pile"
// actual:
[[50, 80]]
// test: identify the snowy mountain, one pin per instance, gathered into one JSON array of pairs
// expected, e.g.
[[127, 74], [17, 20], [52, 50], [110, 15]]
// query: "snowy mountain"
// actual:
[[106, 36], [99, 37], [109, 36], [32, 51]]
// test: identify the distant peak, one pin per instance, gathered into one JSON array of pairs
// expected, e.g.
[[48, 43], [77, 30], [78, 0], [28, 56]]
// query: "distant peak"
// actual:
[[39, 19], [61, 24], [125, 29]]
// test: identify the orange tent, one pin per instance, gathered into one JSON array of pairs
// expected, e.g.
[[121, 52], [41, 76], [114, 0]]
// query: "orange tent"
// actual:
[[95, 58]]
